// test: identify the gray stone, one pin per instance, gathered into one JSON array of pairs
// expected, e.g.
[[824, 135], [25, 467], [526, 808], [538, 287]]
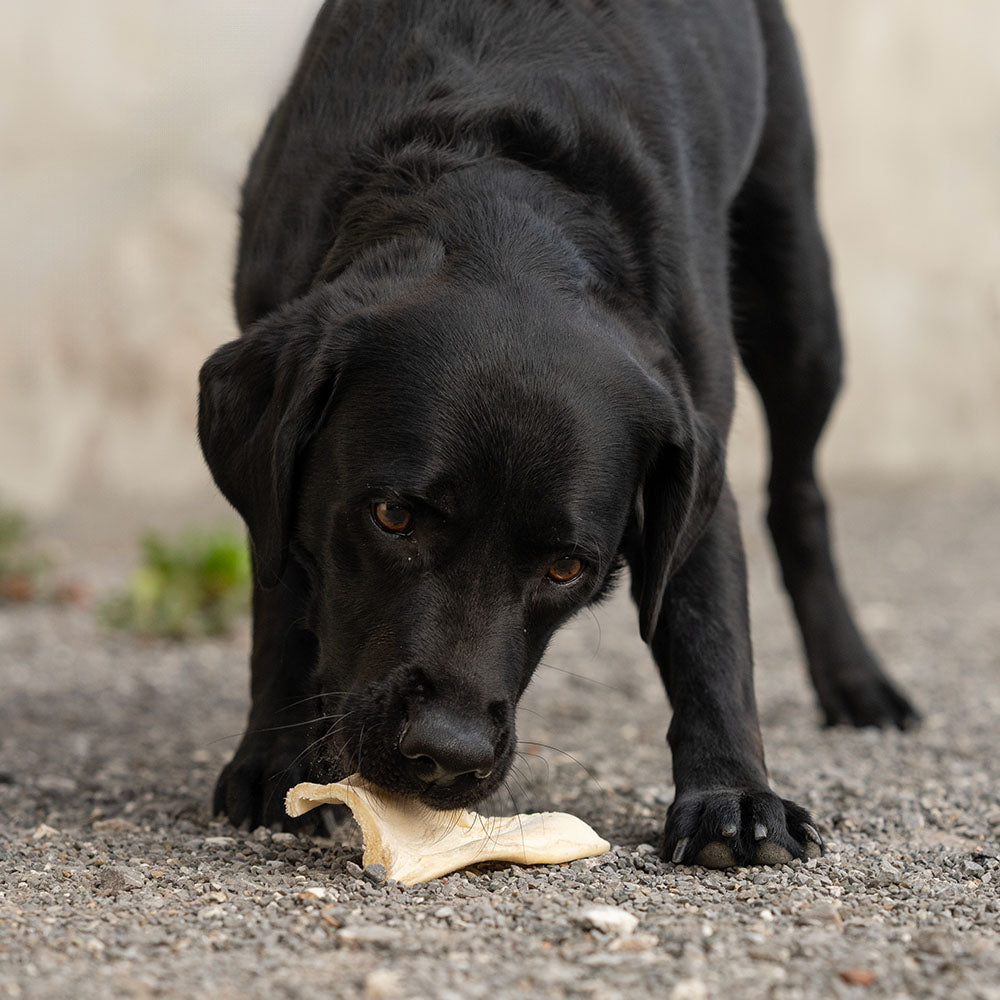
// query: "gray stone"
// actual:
[[120, 878]]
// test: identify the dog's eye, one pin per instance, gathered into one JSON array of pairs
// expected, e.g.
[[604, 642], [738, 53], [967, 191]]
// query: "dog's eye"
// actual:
[[565, 570], [393, 517]]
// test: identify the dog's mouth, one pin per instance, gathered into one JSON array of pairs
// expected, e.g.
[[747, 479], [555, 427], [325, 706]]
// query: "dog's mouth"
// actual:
[[369, 743], [462, 793]]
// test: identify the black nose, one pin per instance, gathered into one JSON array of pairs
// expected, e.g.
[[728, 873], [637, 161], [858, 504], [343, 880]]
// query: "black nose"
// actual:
[[445, 746]]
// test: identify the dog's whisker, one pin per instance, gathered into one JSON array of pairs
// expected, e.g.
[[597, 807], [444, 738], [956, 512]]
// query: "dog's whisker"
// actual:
[[528, 758], [515, 775], [313, 697], [514, 769], [586, 770], [219, 739], [487, 823], [450, 826], [295, 725], [517, 812], [600, 634], [278, 779], [487, 830], [269, 729], [583, 677], [531, 711], [331, 732], [361, 740]]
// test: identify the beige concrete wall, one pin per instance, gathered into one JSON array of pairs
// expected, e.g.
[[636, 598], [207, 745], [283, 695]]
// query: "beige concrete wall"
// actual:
[[906, 99], [124, 129]]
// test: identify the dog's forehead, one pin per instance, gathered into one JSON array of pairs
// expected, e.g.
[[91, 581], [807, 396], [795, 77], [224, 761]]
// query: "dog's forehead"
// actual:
[[514, 432], [491, 425]]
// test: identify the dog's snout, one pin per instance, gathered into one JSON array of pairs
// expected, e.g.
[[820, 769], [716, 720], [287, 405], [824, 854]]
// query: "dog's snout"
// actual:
[[445, 746]]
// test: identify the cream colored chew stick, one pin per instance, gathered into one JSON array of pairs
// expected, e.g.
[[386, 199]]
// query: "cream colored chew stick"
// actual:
[[416, 844]]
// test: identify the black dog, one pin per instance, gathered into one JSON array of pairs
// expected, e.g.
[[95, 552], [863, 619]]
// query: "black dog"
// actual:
[[496, 262]]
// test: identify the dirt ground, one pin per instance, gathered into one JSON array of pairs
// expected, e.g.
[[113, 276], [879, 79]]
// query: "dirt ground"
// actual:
[[115, 881]]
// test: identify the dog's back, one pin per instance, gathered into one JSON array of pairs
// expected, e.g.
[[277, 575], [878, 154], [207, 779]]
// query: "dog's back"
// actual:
[[597, 94]]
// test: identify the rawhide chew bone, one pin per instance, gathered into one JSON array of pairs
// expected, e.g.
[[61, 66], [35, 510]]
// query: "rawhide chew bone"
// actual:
[[416, 844]]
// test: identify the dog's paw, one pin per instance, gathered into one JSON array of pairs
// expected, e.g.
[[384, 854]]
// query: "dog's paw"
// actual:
[[729, 827], [251, 789], [871, 700]]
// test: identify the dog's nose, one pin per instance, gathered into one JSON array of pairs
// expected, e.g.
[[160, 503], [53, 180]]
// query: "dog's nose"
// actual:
[[445, 746]]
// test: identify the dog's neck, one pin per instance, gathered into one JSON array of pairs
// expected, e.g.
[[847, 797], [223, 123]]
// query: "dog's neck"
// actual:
[[501, 215]]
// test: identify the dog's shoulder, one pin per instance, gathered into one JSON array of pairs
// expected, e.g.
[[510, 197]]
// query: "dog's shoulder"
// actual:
[[608, 98]]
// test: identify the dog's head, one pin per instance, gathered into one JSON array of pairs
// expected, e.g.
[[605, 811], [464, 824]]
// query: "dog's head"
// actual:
[[458, 472]]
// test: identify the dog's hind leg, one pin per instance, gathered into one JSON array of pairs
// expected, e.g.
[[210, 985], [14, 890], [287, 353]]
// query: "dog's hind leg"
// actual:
[[271, 756], [789, 340]]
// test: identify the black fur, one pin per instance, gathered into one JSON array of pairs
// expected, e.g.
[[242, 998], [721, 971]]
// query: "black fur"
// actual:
[[496, 262]]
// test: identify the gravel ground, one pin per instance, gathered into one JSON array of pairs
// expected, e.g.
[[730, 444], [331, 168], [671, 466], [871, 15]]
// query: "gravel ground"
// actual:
[[115, 880]]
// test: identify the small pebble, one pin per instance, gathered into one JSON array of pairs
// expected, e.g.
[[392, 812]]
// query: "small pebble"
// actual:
[[858, 977], [689, 989], [374, 874], [608, 919], [383, 984]]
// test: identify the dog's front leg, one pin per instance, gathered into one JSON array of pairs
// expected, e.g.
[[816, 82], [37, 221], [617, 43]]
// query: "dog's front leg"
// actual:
[[272, 755], [724, 812]]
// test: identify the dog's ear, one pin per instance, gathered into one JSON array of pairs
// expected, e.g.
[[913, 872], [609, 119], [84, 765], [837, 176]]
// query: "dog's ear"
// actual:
[[262, 398], [673, 506]]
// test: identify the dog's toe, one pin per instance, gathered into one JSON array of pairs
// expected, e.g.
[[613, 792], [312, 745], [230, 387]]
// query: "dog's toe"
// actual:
[[716, 854]]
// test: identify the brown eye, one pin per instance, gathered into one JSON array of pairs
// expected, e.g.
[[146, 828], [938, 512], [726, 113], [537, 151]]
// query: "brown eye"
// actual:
[[565, 570], [393, 517]]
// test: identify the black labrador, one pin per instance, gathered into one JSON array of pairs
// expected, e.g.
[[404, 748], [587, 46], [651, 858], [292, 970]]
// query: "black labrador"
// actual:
[[497, 259]]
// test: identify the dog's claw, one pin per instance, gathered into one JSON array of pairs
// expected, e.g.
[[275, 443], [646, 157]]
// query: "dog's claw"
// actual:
[[812, 835], [730, 830], [760, 832], [679, 850]]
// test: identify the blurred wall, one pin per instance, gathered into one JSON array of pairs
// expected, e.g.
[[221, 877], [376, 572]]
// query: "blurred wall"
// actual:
[[125, 128]]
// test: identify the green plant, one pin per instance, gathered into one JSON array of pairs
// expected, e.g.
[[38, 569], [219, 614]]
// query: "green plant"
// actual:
[[20, 563], [194, 586]]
